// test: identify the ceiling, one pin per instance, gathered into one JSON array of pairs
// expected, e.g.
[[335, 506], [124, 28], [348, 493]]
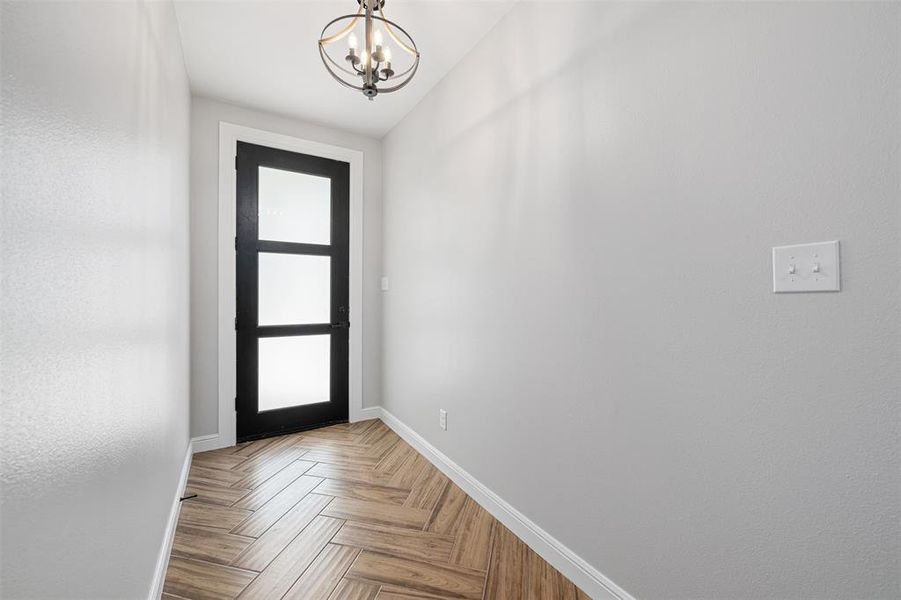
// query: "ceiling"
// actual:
[[264, 55]]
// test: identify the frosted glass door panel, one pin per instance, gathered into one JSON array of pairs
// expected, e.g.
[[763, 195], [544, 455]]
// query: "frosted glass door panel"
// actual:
[[294, 207], [294, 371], [294, 289]]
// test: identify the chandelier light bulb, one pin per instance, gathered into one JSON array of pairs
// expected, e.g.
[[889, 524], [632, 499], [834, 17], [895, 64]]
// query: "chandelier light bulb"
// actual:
[[352, 42], [377, 38], [387, 52]]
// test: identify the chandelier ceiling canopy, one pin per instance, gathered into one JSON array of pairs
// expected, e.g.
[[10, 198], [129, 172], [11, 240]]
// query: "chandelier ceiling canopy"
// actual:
[[386, 59]]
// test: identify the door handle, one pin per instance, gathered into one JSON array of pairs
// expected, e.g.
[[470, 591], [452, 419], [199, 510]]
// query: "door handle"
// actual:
[[341, 325]]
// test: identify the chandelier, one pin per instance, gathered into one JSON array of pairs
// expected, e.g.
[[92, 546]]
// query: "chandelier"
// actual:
[[366, 68]]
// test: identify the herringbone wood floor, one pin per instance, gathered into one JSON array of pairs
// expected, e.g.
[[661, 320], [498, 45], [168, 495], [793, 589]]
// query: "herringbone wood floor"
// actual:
[[345, 512]]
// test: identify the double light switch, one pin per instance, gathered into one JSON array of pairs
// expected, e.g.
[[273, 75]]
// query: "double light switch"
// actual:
[[806, 268]]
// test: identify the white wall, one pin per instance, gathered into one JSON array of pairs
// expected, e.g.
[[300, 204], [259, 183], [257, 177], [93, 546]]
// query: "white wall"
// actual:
[[205, 117], [577, 225], [95, 294]]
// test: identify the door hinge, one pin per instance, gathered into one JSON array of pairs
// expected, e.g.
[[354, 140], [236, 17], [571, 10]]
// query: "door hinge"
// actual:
[[236, 404], [236, 243], [236, 162], [236, 323]]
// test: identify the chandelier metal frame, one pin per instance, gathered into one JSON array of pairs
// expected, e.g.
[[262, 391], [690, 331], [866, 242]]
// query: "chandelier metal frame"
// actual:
[[366, 75]]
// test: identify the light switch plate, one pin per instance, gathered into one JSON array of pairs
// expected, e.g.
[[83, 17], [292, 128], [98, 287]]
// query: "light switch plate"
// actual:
[[384, 284], [806, 268]]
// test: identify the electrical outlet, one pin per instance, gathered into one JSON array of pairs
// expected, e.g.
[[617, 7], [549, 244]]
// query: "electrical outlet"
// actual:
[[442, 418]]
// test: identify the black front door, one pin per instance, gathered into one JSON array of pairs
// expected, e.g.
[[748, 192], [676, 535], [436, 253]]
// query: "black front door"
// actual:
[[292, 291]]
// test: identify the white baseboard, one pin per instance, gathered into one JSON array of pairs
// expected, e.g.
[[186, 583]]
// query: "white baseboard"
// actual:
[[590, 580], [365, 414], [203, 443], [162, 561]]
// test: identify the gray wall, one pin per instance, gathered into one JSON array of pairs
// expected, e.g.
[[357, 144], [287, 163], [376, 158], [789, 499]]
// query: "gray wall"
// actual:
[[94, 358], [578, 223], [205, 117]]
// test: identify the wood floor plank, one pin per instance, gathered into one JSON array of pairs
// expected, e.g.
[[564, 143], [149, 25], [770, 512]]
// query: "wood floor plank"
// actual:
[[378, 513], [318, 436], [393, 592], [322, 576], [217, 460], [407, 474], [336, 427], [352, 445], [263, 551], [433, 578], [507, 569], [446, 516], [361, 491], [544, 581], [290, 564], [206, 475], [349, 589], [399, 453], [362, 426], [349, 473], [233, 450], [396, 541], [271, 458], [208, 515], [200, 580], [249, 449], [214, 494], [263, 517], [332, 456], [376, 434], [427, 490], [381, 445], [272, 486], [277, 446], [259, 473], [211, 545], [473, 537]]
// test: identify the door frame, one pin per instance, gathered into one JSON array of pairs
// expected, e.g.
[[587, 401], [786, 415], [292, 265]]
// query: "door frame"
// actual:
[[229, 136]]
